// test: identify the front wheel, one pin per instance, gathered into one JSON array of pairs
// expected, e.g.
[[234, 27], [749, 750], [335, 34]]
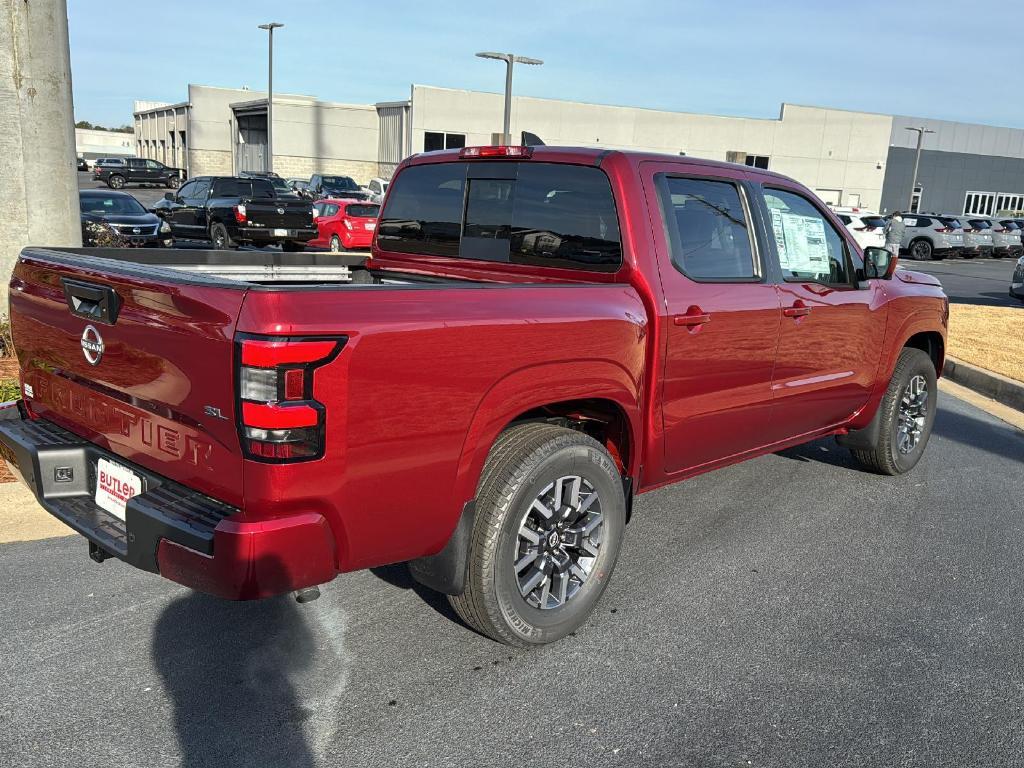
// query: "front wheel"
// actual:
[[115, 182], [907, 413], [550, 514]]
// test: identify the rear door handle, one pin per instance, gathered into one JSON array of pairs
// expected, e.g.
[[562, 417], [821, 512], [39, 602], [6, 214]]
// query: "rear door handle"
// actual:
[[799, 309], [692, 318]]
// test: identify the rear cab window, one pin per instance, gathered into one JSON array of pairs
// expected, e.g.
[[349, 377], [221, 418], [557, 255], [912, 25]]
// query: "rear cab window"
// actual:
[[243, 188], [706, 223], [517, 212]]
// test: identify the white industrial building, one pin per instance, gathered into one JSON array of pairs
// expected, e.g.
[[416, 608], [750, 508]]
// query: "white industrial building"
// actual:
[[843, 155]]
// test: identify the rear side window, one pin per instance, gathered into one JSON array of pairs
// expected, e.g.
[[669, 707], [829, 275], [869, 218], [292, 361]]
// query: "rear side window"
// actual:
[[808, 247], [540, 214], [844, 218], [707, 229]]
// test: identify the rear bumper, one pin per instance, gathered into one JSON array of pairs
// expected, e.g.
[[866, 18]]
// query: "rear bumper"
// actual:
[[266, 234], [168, 528]]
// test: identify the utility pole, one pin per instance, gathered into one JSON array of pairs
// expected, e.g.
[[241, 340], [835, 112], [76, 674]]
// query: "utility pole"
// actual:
[[917, 162], [510, 60], [270, 91], [39, 189]]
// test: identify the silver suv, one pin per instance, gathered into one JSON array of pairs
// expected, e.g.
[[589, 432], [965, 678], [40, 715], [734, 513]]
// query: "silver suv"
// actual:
[[1012, 229], [978, 234], [930, 236]]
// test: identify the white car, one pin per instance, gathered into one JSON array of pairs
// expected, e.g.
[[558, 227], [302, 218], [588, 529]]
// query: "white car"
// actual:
[[377, 187], [867, 228]]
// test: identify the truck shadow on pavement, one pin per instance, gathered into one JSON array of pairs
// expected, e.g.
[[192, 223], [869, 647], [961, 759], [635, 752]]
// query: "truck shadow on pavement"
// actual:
[[398, 575], [231, 669]]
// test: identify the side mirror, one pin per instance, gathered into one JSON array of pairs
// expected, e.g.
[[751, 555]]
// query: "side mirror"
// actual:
[[879, 264], [169, 196]]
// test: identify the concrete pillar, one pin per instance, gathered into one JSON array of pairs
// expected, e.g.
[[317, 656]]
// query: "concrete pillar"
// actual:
[[38, 174]]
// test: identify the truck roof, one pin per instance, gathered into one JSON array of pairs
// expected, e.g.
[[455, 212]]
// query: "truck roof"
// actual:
[[594, 156]]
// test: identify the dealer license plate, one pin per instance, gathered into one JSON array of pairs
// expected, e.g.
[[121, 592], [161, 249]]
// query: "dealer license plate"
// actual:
[[370, 224], [280, 233], [114, 486]]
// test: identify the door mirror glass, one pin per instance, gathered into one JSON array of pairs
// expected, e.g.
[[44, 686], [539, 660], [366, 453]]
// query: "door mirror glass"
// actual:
[[879, 264], [169, 196]]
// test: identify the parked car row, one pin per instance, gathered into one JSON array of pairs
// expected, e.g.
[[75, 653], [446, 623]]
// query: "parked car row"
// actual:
[[929, 236], [320, 186]]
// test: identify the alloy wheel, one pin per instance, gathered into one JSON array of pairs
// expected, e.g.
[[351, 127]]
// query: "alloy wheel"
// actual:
[[558, 542], [913, 413]]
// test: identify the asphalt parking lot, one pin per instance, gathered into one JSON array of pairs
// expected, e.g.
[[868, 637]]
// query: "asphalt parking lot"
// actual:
[[971, 281], [789, 611]]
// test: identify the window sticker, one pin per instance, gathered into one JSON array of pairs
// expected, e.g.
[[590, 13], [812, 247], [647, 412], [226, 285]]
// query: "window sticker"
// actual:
[[801, 242]]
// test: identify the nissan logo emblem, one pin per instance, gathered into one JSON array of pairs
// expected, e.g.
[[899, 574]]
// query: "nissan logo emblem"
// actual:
[[280, 211], [92, 345], [135, 230]]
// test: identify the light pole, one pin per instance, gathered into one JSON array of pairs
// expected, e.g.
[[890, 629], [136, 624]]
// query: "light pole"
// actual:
[[917, 162], [270, 92], [510, 59]]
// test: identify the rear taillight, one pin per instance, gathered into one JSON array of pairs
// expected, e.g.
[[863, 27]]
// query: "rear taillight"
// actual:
[[240, 214], [348, 224], [279, 419], [943, 230]]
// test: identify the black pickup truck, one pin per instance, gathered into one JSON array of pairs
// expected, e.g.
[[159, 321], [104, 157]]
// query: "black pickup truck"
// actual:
[[230, 211], [136, 170]]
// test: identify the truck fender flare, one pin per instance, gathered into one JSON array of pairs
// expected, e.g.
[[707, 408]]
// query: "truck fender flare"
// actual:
[[510, 397], [921, 321]]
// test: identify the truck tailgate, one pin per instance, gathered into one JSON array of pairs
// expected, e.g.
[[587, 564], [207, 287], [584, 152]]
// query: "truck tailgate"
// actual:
[[138, 364], [280, 213]]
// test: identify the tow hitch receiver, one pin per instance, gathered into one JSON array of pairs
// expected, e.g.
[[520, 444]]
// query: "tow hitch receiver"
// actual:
[[98, 553]]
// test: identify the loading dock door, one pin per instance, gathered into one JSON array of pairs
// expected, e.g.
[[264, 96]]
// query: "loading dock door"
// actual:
[[251, 142]]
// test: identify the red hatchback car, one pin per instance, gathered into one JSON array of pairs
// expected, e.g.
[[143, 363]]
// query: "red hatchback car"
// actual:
[[344, 225]]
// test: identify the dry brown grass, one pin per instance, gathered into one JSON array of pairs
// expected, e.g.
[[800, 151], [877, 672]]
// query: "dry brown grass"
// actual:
[[989, 337]]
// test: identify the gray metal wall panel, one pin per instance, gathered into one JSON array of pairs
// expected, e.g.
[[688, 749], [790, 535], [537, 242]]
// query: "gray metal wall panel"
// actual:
[[946, 177], [966, 138]]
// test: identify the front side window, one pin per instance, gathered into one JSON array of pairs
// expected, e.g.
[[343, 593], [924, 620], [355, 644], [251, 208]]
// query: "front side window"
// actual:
[[201, 189], [807, 245], [707, 229], [153, 165], [541, 214]]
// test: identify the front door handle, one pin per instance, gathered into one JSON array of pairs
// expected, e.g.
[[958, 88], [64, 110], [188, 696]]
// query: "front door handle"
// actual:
[[799, 309], [693, 316]]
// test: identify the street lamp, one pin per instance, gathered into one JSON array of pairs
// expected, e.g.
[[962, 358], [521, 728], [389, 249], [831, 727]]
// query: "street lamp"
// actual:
[[917, 161], [270, 92], [510, 59]]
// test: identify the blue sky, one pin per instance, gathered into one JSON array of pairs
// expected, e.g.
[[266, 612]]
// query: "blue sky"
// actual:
[[735, 57]]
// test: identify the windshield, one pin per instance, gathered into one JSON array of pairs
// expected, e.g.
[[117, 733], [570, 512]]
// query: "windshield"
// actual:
[[279, 183], [110, 205], [363, 211], [343, 183]]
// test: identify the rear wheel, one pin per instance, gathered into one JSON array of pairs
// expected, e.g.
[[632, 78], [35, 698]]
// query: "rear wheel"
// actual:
[[907, 413], [336, 245], [173, 182], [115, 182], [549, 521], [921, 250], [220, 237]]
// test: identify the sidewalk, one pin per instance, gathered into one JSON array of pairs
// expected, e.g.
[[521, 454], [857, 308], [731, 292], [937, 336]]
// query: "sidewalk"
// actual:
[[22, 519]]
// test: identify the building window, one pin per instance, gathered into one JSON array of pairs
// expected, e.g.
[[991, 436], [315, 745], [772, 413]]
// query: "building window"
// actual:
[[979, 203], [1010, 203], [434, 140], [757, 161]]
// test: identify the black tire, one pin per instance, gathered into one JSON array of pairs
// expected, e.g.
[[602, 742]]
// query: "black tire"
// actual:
[[290, 246], [921, 250], [336, 245], [173, 182], [526, 462], [220, 238], [888, 456], [115, 181]]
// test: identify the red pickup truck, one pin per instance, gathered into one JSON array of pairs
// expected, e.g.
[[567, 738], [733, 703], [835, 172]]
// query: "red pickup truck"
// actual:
[[540, 335]]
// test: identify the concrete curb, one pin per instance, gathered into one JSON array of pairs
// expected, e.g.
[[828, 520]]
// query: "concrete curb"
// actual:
[[1000, 388]]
